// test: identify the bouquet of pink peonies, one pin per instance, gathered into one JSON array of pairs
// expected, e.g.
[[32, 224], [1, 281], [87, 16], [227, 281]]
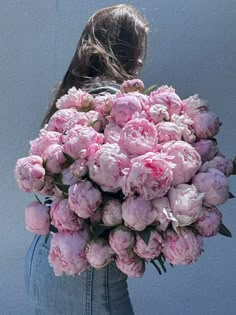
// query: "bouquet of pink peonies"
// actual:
[[130, 177]]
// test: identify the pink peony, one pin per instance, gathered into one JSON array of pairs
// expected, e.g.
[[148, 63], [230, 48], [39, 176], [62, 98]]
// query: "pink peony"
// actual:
[[79, 118], [193, 105], [121, 240], [54, 159], [166, 96], [209, 222], [184, 124], [37, 218], [63, 218], [221, 163], [152, 250], [67, 252], [137, 213], [77, 99], [29, 173], [59, 119], [182, 248], [185, 203], [135, 85], [150, 176], [68, 178], [49, 186], [207, 148], [139, 137], [186, 158], [112, 214], [167, 131], [206, 125], [103, 104], [84, 199], [157, 113], [214, 184], [112, 133], [79, 139], [45, 139], [132, 265], [99, 253], [106, 165], [164, 214], [79, 168], [124, 108]]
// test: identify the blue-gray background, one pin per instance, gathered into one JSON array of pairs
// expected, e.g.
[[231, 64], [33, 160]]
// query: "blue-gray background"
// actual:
[[192, 46]]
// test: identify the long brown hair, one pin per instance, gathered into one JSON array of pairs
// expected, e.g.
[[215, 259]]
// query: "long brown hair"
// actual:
[[110, 47]]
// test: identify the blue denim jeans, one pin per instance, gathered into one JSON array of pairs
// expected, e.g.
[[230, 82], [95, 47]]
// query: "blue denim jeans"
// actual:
[[102, 292]]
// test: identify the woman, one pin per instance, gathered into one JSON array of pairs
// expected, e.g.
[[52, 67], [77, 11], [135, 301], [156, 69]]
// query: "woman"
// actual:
[[111, 49]]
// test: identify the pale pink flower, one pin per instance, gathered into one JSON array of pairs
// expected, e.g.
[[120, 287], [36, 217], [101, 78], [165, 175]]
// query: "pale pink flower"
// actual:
[[137, 213], [164, 214], [121, 240], [149, 175], [29, 173], [157, 113], [63, 218], [45, 139], [68, 178], [112, 133], [79, 168], [106, 165], [124, 108], [67, 252], [166, 96], [184, 124], [79, 118], [37, 218], [84, 199], [167, 131], [221, 163], [186, 158], [185, 204], [182, 248], [112, 214], [103, 103], [209, 222], [153, 249], [135, 85], [139, 137], [49, 186], [79, 139], [59, 119], [206, 125], [77, 99], [99, 253], [132, 265], [194, 105], [214, 184], [54, 159], [207, 148]]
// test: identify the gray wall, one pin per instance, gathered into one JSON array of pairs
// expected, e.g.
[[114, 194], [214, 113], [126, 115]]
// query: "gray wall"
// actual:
[[192, 46]]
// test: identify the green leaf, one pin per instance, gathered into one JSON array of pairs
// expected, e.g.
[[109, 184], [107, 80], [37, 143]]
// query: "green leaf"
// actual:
[[94, 122], [145, 234], [231, 196], [62, 187], [46, 238], [53, 228], [224, 231], [68, 158], [99, 229], [150, 88], [38, 199], [155, 265], [161, 262]]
